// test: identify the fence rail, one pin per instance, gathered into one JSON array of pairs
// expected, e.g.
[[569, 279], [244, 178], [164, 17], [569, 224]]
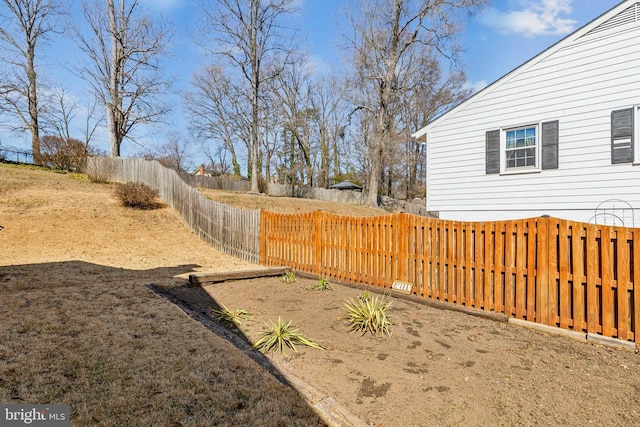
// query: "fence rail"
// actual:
[[571, 275], [233, 231]]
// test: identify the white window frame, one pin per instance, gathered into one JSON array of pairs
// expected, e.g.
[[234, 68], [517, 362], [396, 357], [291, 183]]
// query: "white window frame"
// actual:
[[504, 170]]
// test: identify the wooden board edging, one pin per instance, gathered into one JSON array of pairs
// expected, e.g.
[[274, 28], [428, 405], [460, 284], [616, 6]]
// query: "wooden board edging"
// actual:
[[578, 336], [197, 279], [611, 342]]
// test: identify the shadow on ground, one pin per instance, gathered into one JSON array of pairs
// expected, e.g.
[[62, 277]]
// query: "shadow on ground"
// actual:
[[108, 342]]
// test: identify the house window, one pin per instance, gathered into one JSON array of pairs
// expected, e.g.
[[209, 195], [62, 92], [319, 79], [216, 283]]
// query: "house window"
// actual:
[[520, 147], [530, 148]]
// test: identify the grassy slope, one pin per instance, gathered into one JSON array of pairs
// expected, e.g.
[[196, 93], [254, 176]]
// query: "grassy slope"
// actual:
[[94, 336]]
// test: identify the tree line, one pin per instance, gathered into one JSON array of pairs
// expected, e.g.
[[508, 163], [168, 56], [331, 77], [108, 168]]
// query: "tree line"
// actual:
[[255, 100]]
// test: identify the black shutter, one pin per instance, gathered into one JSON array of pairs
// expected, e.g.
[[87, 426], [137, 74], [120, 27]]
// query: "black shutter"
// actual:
[[622, 136], [550, 145], [492, 140]]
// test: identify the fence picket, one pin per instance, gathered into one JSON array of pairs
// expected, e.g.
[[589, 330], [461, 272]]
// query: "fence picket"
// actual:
[[622, 302], [606, 282]]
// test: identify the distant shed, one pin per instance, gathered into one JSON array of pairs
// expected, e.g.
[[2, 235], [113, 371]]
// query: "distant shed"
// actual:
[[346, 185]]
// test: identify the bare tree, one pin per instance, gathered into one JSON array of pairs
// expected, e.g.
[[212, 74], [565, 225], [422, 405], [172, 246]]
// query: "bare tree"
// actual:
[[332, 119], [293, 90], [249, 36], [387, 34], [23, 23], [218, 111], [218, 164], [124, 47], [174, 154], [431, 94], [60, 113]]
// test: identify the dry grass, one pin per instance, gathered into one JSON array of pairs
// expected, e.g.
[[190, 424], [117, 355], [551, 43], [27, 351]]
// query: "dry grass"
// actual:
[[120, 355], [79, 329], [288, 205]]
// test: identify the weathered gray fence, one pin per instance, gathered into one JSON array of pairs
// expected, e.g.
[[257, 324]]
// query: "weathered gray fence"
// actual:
[[216, 183], [230, 230]]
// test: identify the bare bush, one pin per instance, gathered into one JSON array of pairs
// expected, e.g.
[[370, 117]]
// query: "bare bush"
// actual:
[[137, 195], [63, 153], [99, 170]]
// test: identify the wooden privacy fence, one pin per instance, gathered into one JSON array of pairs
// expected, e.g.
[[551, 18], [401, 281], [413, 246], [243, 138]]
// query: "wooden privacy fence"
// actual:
[[230, 230], [566, 274]]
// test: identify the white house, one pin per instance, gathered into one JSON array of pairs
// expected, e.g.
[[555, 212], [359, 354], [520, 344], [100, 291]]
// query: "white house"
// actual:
[[556, 136]]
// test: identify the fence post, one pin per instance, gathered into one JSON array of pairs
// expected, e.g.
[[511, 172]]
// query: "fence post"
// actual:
[[319, 264], [636, 287], [593, 257], [542, 272]]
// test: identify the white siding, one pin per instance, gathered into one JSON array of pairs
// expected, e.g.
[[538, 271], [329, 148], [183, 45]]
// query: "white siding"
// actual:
[[579, 84]]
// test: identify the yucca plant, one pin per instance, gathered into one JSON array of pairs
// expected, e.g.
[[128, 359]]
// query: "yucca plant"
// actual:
[[322, 285], [368, 315], [232, 316], [277, 337], [288, 277]]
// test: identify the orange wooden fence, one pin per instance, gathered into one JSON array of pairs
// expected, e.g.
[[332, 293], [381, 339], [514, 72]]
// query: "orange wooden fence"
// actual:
[[555, 272]]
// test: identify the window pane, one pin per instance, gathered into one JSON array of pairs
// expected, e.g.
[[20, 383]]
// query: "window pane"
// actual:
[[531, 157], [520, 139], [532, 136], [511, 139]]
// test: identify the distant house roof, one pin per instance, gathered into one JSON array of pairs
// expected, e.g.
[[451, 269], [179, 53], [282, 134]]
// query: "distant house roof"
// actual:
[[346, 185], [200, 171]]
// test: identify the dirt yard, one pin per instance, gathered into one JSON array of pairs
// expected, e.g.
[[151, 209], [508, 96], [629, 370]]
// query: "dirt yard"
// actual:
[[75, 270]]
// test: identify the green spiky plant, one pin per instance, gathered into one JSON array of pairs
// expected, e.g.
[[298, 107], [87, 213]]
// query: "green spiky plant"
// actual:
[[288, 277], [368, 314], [232, 316], [365, 296], [277, 337], [322, 285]]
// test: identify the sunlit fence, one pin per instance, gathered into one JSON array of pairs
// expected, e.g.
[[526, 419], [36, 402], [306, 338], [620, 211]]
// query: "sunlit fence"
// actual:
[[575, 276], [230, 230]]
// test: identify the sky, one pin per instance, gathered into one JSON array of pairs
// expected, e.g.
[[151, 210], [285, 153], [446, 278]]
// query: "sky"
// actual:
[[503, 36]]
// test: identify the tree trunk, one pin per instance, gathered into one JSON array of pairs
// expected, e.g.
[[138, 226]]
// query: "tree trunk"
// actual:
[[112, 103], [374, 178], [34, 125]]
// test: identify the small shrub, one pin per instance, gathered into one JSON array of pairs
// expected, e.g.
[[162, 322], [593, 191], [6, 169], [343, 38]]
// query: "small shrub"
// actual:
[[288, 277], [62, 153], [99, 169], [136, 195], [277, 337], [262, 184], [232, 316], [322, 285], [368, 315]]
